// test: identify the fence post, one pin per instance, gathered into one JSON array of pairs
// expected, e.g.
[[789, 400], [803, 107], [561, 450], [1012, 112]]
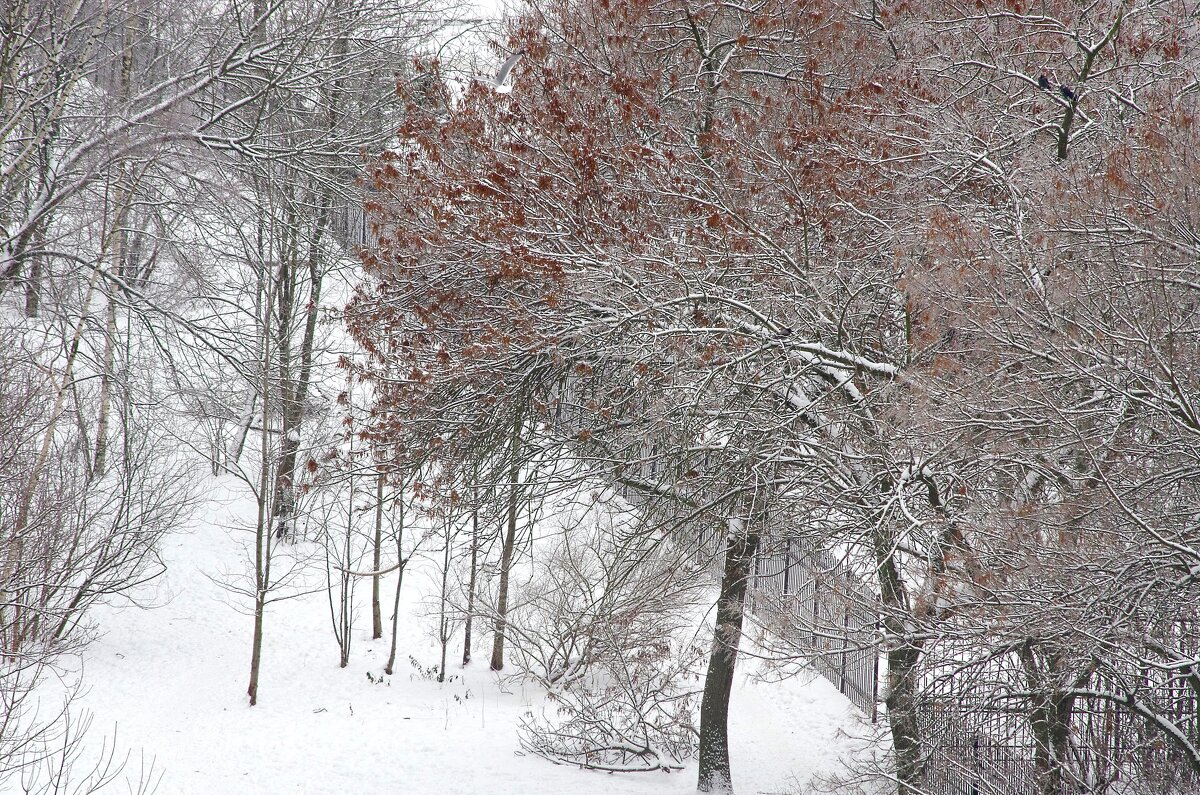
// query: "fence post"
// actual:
[[875, 677], [787, 567], [845, 645], [977, 779], [816, 606]]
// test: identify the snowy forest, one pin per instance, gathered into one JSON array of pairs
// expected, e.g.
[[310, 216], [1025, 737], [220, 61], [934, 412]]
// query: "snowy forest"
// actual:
[[647, 397]]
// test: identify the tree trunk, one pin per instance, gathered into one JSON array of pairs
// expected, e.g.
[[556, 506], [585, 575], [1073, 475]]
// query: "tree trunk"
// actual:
[[294, 383], [715, 774], [443, 618], [391, 662], [262, 562], [902, 716], [100, 462], [1049, 721], [346, 586], [466, 658], [244, 433], [506, 554], [262, 530], [33, 280], [256, 647], [290, 401], [903, 655], [294, 376], [262, 574], [117, 233], [376, 612]]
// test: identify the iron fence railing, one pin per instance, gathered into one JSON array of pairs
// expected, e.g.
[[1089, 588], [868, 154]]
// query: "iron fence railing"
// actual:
[[826, 611], [979, 741]]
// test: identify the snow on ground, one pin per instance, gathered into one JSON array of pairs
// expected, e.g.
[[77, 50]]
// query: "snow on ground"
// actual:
[[172, 681]]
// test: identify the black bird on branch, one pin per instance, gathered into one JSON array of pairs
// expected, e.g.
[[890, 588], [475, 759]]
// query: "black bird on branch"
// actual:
[[1043, 83], [1067, 93]]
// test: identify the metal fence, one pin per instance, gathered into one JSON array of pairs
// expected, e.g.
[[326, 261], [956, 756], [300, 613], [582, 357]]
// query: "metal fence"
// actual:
[[980, 753], [980, 742], [802, 594], [813, 602], [977, 734]]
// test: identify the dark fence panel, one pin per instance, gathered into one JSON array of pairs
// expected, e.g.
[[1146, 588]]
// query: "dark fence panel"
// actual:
[[826, 611], [979, 741]]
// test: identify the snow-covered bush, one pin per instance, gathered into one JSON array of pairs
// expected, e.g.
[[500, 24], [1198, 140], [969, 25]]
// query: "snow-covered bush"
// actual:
[[631, 713], [598, 619], [74, 535], [599, 588]]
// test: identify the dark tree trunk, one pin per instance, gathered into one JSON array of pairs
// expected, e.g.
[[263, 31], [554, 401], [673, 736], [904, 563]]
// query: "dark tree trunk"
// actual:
[[262, 573], [506, 554], [100, 462], [715, 774], [33, 286], [903, 655], [1049, 720], [902, 716], [444, 618], [262, 539], [294, 385], [376, 612], [256, 646]]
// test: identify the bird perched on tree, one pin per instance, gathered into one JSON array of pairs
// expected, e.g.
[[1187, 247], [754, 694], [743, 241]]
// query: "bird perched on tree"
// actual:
[[1067, 93], [1043, 83], [501, 83]]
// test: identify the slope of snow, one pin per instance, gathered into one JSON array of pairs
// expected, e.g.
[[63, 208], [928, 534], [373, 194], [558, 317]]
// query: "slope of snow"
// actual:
[[171, 680]]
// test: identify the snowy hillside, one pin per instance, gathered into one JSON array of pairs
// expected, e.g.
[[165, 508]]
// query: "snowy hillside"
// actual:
[[170, 676], [674, 368]]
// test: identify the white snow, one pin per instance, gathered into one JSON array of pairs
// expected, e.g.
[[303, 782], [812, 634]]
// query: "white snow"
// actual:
[[172, 681]]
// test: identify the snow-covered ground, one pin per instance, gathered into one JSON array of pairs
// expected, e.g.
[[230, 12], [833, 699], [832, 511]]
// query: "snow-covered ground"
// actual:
[[171, 680]]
